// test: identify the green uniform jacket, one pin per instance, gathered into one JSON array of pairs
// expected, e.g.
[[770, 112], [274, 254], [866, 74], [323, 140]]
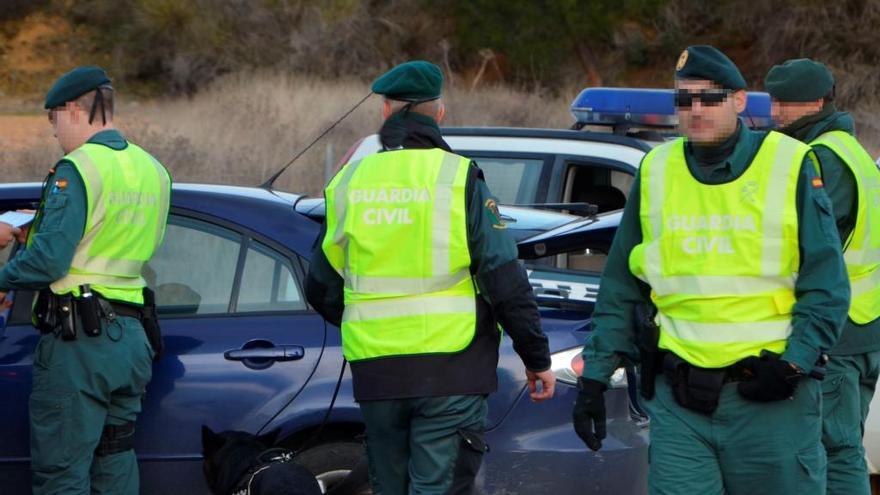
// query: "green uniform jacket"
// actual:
[[505, 297], [61, 222], [840, 185], [822, 287]]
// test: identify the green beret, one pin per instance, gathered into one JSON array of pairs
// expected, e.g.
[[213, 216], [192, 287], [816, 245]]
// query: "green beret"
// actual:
[[411, 81], [74, 84], [707, 62], [800, 80]]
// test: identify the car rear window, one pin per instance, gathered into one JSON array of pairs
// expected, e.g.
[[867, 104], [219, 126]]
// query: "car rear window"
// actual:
[[268, 282], [193, 271], [512, 180]]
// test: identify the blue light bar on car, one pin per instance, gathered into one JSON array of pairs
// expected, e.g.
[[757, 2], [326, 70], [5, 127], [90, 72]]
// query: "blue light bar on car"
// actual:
[[639, 107]]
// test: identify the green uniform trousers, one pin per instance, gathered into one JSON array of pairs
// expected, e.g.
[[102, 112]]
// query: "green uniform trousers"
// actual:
[[431, 445], [78, 387], [846, 395], [744, 448]]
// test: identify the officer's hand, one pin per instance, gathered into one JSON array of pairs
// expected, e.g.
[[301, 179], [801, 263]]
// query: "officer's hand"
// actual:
[[774, 379], [589, 412], [7, 234], [22, 234], [4, 303], [548, 384]]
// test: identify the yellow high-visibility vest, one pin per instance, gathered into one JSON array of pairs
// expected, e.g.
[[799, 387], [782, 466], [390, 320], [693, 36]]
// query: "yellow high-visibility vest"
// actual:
[[721, 259], [128, 194], [862, 248], [397, 234]]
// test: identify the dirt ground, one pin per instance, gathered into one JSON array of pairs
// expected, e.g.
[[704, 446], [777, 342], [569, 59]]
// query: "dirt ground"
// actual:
[[19, 132]]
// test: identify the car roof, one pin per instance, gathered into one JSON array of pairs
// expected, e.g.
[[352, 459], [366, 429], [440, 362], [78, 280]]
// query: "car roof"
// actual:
[[266, 212], [532, 140], [28, 190], [293, 220], [554, 134], [522, 223]]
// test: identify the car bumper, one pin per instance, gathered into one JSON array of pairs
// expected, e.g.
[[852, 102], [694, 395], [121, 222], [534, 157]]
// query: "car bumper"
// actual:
[[535, 450]]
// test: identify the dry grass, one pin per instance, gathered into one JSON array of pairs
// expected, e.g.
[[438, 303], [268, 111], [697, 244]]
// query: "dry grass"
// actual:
[[241, 129], [27, 148]]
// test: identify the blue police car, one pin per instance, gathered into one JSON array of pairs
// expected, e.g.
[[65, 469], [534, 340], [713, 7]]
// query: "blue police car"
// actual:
[[245, 352]]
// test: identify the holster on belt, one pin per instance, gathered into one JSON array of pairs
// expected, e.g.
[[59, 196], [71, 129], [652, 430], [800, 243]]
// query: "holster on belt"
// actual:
[[66, 317], [150, 321], [820, 369], [650, 356], [88, 308], [146, 314], [64, 313], [53, 311], [46, 312], [694, 388]]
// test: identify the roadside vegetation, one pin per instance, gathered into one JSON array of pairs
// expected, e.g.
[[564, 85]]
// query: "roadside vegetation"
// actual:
[[228, 90], [242, 128]]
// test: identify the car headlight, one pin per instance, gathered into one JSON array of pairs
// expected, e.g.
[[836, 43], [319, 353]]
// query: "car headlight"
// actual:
[[568, 365]]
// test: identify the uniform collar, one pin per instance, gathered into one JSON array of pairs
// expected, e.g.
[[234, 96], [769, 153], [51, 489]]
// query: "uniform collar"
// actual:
[[812, 126], [411, 130], [745, 143], [110, 138], [712, 155]]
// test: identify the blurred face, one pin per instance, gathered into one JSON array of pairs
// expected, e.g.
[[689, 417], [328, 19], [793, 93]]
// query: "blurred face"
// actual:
[[707, 113], [66, 121], [784, 113], [71, 126]]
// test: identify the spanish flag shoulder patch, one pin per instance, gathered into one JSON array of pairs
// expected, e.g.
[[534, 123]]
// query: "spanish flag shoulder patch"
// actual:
[[817, 182]]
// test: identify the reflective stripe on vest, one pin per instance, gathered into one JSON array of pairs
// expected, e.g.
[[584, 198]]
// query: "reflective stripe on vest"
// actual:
[[397, 234], [128, 194], [721, 259], [862, 249]]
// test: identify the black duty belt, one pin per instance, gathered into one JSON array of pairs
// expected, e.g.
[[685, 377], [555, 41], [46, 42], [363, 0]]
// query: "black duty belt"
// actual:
[[121, 309], [736, 372], [699, 389]]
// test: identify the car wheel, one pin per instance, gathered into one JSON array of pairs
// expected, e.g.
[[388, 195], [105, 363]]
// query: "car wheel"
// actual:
[[340, 467]]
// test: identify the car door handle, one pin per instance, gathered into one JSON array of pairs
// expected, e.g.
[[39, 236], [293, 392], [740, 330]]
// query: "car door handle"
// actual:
[[277, 353]]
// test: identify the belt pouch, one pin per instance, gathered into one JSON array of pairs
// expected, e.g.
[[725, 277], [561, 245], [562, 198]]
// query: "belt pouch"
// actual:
[[66, 317], [46, 311], [697, 389], [89, 311]]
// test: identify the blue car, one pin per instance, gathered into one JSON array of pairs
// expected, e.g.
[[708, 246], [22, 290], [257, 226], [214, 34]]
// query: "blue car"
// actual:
[[245, 352]]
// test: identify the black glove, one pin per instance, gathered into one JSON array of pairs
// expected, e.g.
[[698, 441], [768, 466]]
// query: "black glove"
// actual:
[[774, 379], [589, 412]]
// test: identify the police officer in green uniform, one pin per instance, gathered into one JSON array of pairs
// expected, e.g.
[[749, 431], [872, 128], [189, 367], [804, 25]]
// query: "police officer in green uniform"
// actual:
[[101, 217], [728, 234], [802, 91], [418, 270]]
